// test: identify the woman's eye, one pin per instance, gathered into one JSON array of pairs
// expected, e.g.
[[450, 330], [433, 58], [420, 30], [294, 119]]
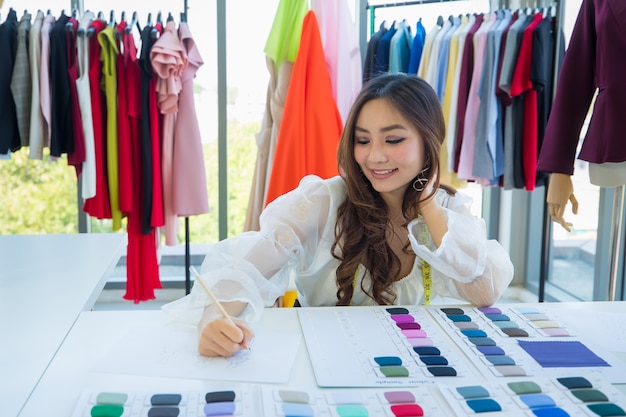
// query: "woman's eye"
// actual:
[[394, 141], [362, 141]]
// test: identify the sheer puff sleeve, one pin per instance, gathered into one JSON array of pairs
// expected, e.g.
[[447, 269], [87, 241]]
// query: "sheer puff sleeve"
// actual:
[[466, 265], [254, 267]]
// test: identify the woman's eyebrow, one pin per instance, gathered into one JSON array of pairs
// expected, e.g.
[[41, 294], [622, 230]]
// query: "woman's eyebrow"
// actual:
[[383, 129], [392, 127]]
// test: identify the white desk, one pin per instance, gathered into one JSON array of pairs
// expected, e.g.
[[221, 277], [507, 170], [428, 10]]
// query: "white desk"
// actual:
[[46, 281], [96, 331]]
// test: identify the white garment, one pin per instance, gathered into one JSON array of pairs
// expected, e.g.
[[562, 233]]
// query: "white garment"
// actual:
[[84, 98], [341, 50], [297, 232], [37, 122]]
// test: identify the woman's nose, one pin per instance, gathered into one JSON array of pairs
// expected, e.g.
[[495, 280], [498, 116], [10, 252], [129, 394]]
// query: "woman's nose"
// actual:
[[377, 153]]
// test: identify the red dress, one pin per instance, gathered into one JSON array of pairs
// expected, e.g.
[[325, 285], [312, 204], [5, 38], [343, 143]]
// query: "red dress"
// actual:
[[123, 125], [98, 206], [142, 268], [522, 84]]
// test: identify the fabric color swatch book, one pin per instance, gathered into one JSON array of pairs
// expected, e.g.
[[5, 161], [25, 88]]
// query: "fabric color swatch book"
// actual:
[[410, 346], [516, 341], [375, 347], [574, 396]]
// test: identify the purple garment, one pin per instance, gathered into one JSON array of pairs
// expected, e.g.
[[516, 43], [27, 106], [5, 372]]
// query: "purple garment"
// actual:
[[595, 58]]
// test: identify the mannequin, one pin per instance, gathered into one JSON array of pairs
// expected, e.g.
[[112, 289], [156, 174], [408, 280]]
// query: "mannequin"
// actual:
[[591, 76]]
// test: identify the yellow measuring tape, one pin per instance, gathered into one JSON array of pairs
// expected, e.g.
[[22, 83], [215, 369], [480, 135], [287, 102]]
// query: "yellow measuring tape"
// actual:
[[428, 282]]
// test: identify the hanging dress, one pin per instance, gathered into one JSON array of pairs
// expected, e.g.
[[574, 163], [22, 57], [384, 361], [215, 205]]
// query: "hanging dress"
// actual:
[[37, 129], [142, 268], [190, 195], [281, 49], [108, 54], [311, 125], [99, 206], [10, 138], [88, 181], [77, 157], [168, 59], [62, 138]]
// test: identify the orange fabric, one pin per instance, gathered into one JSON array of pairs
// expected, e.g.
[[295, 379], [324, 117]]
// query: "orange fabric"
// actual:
[[311, 125]]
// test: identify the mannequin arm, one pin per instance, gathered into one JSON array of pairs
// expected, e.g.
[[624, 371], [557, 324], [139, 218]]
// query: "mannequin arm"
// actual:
[[560, 191]]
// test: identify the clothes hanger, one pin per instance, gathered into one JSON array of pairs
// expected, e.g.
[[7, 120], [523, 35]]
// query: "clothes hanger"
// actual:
[[118, 34], [154, 33], [133, 22]]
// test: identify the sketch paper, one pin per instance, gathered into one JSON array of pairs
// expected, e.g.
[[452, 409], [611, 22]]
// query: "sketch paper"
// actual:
[[173, 353]]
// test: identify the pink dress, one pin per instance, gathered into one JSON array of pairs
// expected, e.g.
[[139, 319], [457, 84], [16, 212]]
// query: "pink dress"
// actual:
[[169, 60], [190, 196]]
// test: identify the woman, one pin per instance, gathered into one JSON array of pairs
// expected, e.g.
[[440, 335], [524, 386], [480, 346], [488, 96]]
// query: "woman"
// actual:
[[379, 234]]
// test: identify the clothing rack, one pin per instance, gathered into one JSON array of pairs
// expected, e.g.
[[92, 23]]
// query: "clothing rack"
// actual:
[[372, 7], [83, 224], [559, 15]]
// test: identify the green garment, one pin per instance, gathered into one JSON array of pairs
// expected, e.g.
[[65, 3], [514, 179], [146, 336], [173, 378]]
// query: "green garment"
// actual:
[[108, 84], [284, 39]]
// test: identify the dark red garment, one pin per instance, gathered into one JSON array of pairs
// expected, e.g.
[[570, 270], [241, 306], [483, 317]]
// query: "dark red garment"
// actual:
[[77, 157], [521, 84], [125, 183], [465, 80], [142, 268], [99, 205], [595, 62]]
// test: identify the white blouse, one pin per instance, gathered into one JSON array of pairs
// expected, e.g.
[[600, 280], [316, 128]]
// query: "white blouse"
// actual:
[[295, 238]]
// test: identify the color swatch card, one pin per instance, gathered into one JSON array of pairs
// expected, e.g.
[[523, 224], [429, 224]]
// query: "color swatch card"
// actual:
[[379, 347], [222, 402], [523, 341], [573, 396], [352, 403], [262, 400]]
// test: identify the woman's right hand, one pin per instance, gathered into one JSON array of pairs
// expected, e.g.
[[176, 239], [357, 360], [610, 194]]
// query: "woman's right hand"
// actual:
[[219, 337]]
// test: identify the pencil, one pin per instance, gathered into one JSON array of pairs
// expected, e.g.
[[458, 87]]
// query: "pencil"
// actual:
[[211, 296]]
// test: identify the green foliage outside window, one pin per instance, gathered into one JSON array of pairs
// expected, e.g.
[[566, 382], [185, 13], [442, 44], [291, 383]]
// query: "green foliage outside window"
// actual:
[[40, 196]]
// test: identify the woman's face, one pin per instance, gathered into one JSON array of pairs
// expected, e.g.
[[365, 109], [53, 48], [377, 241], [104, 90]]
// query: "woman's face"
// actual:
[[389, 149]]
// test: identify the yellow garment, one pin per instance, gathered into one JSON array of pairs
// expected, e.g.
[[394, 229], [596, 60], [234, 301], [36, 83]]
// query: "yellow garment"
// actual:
[[428, 45], [108, 84], [447, 175]]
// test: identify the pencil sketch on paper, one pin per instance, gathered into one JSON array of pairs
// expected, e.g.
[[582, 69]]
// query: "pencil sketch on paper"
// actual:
[[170, 351]]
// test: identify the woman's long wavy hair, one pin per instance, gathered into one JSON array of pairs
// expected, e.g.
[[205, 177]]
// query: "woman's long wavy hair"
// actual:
[[363, 219]]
